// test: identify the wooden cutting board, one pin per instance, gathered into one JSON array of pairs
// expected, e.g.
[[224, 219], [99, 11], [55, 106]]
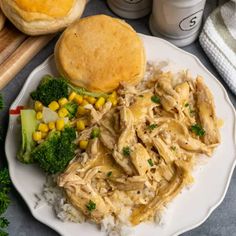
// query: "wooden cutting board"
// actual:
[[16, 50]]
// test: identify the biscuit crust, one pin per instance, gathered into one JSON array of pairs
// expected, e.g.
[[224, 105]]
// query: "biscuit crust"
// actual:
[[100, 52], [42, 17]]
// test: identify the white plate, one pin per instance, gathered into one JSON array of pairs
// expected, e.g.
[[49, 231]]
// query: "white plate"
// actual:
[[189, 209]]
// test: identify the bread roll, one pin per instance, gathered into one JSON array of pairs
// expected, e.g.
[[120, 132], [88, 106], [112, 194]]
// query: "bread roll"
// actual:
[[36, 17], [100, 52]]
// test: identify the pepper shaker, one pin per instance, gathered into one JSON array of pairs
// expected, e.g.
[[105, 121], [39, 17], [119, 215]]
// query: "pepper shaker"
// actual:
[[178, 21], [130, 9]]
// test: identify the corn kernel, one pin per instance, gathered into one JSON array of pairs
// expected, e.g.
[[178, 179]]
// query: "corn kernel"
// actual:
[[63, 112], [100, 102], [86, 96], [83, 144], [91, 100], [112, 100], [51, 125], [81, 111], [39, 115], [78, 98], [37, 136], [84, 103], [53, 106], [62, 101], [114, 94], [80, 125], [38, 106], [43, 127], [72, 96], [60, 124], [44, 134]]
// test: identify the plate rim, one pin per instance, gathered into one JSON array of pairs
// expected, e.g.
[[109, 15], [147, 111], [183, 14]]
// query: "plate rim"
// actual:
[[178, 232]]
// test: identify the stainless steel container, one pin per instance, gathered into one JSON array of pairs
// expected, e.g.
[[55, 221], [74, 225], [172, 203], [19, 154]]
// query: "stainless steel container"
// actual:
[[130, 9]]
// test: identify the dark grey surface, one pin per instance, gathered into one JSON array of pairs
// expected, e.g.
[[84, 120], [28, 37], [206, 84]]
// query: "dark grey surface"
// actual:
[[222, 221]]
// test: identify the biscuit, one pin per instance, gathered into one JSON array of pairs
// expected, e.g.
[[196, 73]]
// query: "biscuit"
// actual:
[[100, 52], [39, 17]]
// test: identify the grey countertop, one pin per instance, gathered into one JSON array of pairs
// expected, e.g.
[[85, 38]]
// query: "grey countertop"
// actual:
[[222, 221]]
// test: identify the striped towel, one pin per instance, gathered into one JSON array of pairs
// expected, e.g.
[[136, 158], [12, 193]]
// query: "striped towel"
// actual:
[[218, 40]]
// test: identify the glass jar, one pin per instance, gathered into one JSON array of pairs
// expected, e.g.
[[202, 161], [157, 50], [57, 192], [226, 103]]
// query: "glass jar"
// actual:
[[178, 21], [130, 9]]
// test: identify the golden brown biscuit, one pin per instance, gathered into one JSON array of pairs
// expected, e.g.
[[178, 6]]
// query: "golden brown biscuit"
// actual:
[[100, 52], [35, 17]]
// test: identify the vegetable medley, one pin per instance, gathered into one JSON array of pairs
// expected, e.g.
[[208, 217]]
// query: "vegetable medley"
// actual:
[[59, 114]]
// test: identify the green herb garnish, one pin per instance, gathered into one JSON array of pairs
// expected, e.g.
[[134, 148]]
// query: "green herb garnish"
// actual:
[[173, 148], [126, 151], [91, 206], [4, 177], [109, 174], [186, 104], [150, 162], [1, 102], [4, 199], [152, 127], [141, 96], [95, 133], [155, 99], [198, 130], [1, 107], [192, 112], [3, 223]]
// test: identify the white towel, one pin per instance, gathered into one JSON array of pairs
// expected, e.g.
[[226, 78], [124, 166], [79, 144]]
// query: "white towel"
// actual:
[[218, 40]]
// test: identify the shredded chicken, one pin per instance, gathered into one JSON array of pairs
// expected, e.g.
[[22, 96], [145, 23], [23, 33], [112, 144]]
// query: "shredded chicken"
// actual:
[[146, 150]]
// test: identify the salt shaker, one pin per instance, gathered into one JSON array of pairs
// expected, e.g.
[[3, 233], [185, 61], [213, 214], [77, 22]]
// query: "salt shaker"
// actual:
[[130, 9], [178, 21]]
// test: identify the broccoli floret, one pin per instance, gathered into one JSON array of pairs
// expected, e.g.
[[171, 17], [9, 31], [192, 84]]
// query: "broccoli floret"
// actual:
[[53, 88], [54, 154], [71, 108], [28, 126], [50, 89]]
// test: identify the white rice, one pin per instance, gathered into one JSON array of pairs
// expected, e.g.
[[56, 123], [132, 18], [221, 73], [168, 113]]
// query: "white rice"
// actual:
[[55, 197]]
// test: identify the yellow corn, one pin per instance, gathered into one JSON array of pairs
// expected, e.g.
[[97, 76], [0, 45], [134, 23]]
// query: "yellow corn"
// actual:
[[86, 96], [39, 115], [112, 100], [80, 125], [84, 103], [37, 136], [62, 101], [100, 102], [63, 112], [81, 111], [44, 135], [51, 125], [114, 94], [78, 98], [38, 106], [83, 144], [91, 100], [53, 106], [72, 96], [60, 124], [43, 127]]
